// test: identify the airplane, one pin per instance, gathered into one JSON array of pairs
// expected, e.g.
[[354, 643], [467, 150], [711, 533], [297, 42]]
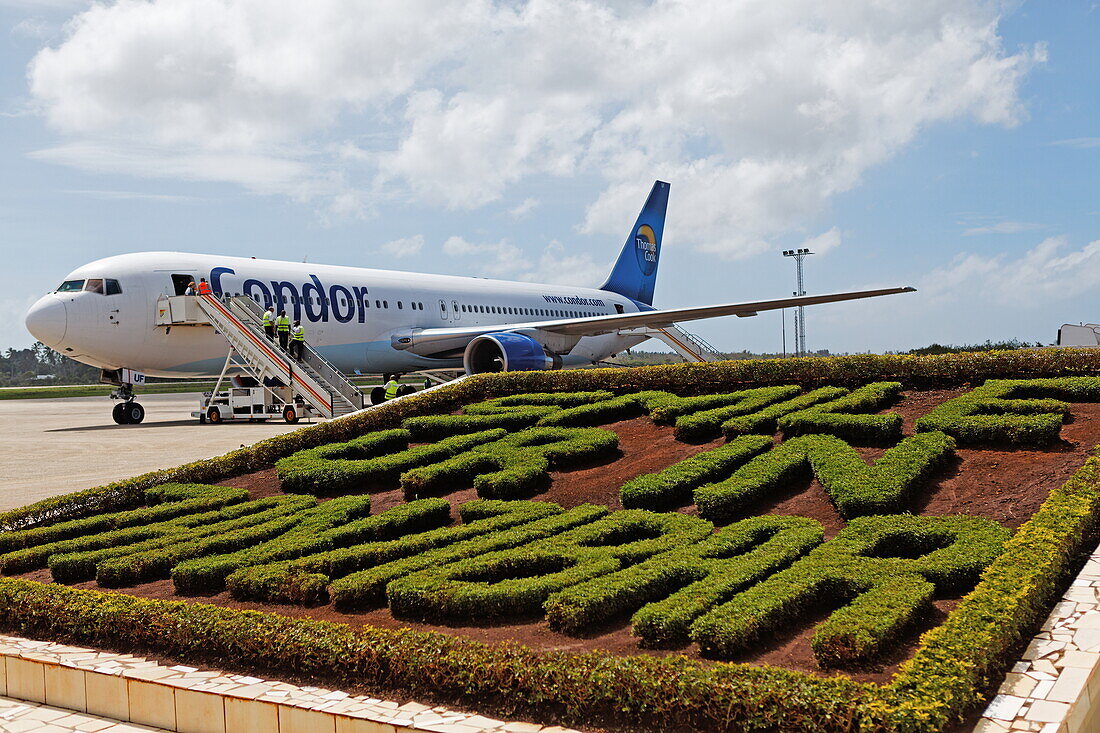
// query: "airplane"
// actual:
[[374, 321]]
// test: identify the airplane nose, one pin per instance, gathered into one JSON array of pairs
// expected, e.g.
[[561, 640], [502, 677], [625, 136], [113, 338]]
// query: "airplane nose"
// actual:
[[47, 320]]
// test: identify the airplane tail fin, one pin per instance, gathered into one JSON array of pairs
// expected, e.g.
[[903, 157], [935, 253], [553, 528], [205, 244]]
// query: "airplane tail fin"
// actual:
[[635, 272]]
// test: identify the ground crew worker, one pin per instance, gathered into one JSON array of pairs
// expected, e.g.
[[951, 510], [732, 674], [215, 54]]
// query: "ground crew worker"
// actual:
[[282, 326], [392, 387], [269, 322], [297, 340], [204, 287]]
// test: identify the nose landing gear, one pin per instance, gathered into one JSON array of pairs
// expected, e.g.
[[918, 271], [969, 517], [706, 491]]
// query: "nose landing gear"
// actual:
[[129, 411]]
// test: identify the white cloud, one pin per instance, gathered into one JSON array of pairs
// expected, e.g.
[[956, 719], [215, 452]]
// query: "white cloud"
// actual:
[[757, 112], [505, 260], [1002, 227], [823, 242], [523, 208], [133, 196], [1079, 142], [37, 28], [1043, 273], [404, 247]]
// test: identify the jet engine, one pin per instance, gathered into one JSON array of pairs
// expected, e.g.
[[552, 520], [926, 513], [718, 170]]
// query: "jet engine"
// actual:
[[507, 352]]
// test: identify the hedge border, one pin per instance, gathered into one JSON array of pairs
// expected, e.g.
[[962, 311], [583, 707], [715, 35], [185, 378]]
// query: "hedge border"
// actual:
[[948, 675]]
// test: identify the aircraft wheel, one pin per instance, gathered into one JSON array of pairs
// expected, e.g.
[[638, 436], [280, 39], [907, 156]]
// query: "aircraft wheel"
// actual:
[[405, 389], [119, 413], [135, 413], [378, 395], [213, 415], [290, 415]]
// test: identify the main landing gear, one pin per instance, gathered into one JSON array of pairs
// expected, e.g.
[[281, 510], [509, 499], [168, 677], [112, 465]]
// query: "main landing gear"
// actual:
[[129, 411]]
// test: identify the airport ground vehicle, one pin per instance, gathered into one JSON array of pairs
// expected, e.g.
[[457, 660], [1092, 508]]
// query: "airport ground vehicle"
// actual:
[[252, 403]]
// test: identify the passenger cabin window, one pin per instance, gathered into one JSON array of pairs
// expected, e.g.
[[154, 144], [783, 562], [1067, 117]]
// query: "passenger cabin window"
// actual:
[[94, 285], [113, 288], [71, 286]]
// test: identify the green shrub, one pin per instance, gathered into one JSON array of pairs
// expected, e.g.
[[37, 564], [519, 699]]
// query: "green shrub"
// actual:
[[882, 570], [764, 421], [517, 582], [598, 413], [854, 487], [705, 425], [337, 523], [556, 399], [166, 502], [305, 579], [260, 519], [672, 589], [673, 486], [844, 416], [645, 692], [1015, 411], [368, 461], [514, 466], [435, 427], [963, 658]]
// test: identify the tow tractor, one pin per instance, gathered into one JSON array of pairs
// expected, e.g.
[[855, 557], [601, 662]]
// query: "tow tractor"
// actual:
[[246, 400]]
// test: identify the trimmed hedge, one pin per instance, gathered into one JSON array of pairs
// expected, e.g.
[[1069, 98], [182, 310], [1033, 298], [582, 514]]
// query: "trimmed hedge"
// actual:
[[368, 461], [672, 589], [698, 427], [764, 421], [36, 556], [845, 416], [672, 487], [854, 487], [329, 526], [958, 661], [1015, 411], [166, 502], [306, 579], [869, 568], [516, 582], [511, 413], [582, 689], [511, 467], [259, 520]]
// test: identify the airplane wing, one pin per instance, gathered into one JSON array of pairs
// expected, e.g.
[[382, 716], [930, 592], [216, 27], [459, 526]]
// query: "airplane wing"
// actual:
[[418, 339]]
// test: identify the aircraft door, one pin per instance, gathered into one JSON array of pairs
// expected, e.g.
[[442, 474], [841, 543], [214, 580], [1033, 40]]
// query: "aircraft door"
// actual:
[[443, 310], [179, 284], [455, 311]]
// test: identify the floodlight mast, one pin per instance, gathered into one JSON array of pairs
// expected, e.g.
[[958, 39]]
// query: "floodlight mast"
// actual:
[[800, 316]]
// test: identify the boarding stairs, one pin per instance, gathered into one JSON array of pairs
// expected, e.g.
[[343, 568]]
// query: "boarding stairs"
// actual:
[[239, 320], [688, 345]]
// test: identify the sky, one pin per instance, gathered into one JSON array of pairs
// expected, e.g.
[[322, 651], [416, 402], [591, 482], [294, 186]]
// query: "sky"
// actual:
[[950, 145]]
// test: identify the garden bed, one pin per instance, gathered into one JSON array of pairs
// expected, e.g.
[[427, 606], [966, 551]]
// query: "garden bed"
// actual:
[[995, 452]]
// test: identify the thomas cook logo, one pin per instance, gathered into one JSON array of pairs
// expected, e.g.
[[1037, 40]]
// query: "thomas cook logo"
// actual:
[[646, 248]]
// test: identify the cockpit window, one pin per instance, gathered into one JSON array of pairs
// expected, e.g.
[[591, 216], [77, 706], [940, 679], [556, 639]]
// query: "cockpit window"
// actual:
[[71, 286], [113, 288], [94, 285]]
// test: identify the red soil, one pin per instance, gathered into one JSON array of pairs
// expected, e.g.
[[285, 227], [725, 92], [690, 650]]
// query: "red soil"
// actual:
[[1004, 485]]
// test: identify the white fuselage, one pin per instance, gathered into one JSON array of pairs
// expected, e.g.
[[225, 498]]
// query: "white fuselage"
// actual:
[[349, 313]]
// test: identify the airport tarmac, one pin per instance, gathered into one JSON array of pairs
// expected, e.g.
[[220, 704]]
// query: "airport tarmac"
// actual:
[[55, 446]]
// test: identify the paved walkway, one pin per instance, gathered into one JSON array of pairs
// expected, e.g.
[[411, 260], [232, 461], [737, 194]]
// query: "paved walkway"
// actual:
[[82, 447], [17, 716]]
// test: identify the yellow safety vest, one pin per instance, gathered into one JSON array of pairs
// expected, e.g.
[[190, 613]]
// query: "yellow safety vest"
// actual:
[[298, 333], [391, 389], [268, 318], [282, 323]]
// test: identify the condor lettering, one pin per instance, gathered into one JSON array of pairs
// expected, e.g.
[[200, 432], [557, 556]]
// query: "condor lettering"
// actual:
[[311, 301]]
